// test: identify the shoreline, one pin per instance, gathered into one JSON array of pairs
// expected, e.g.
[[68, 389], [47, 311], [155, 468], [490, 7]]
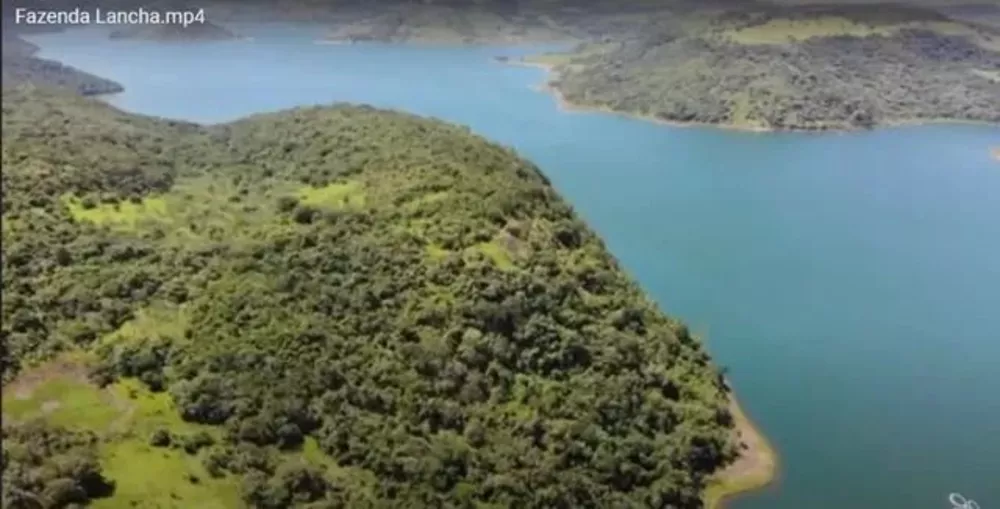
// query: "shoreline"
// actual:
[[568, 106], [757, 465], [755, 468], [995, 151]]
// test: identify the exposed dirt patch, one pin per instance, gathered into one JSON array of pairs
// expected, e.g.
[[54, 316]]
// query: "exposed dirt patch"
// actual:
[[756, 467], [23, 387], [71, 368], [757, 457]]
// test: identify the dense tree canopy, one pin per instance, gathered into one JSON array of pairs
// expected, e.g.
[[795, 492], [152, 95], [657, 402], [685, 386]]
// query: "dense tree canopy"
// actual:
[[794, 68], [416, 300]]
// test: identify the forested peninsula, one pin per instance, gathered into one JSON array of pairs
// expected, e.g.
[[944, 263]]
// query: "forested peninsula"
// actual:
[[330, 307]]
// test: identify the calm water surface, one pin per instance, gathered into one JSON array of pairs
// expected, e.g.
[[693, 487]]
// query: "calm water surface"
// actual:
[[851, 282]]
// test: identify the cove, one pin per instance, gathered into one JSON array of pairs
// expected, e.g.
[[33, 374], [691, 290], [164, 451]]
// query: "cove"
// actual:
[[850, 282]]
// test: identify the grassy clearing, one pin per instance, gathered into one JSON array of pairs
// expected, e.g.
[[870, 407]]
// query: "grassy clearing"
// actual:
[[123, 215], [63, 399], [162, 478], [143, 411], [159, 320], [757, 466], [124, 415], [60, 392], [335, 196], [199, 211], [495, 252]]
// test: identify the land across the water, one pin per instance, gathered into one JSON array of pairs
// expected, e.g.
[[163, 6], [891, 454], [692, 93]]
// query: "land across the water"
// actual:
[[206, 31], [569, 107], [550, 86], [752, 67], [796, 66]]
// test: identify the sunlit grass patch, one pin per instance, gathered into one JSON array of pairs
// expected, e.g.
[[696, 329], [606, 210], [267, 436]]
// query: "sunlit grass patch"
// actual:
[[195, 211], [62, 400], [124, 415], [145, 411], [126, 214], [59, 392], [336, 195], [150, 477], [158, 320], [495, 252]]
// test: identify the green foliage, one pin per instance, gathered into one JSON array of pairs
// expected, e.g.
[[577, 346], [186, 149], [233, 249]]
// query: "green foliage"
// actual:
[[794, 68], [47, 466], [437, 328]]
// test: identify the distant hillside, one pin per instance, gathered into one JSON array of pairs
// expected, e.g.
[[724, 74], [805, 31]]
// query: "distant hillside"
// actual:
[[793, 68], [206, 31], [757, 65], [20, 66], [436, 24], [325, 307]]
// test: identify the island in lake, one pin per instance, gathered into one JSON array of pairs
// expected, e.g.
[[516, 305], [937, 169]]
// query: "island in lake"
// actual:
[[206, 31]]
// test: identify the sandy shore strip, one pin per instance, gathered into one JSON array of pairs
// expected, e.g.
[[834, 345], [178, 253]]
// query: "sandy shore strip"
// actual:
[[756, 467], [996, 152]]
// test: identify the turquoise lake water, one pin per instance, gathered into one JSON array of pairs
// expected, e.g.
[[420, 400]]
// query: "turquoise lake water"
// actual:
[[851, 282]]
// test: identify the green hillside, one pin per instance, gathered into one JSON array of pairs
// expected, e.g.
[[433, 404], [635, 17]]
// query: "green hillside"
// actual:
[[325, 307], [20, 66], [804, 68]]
